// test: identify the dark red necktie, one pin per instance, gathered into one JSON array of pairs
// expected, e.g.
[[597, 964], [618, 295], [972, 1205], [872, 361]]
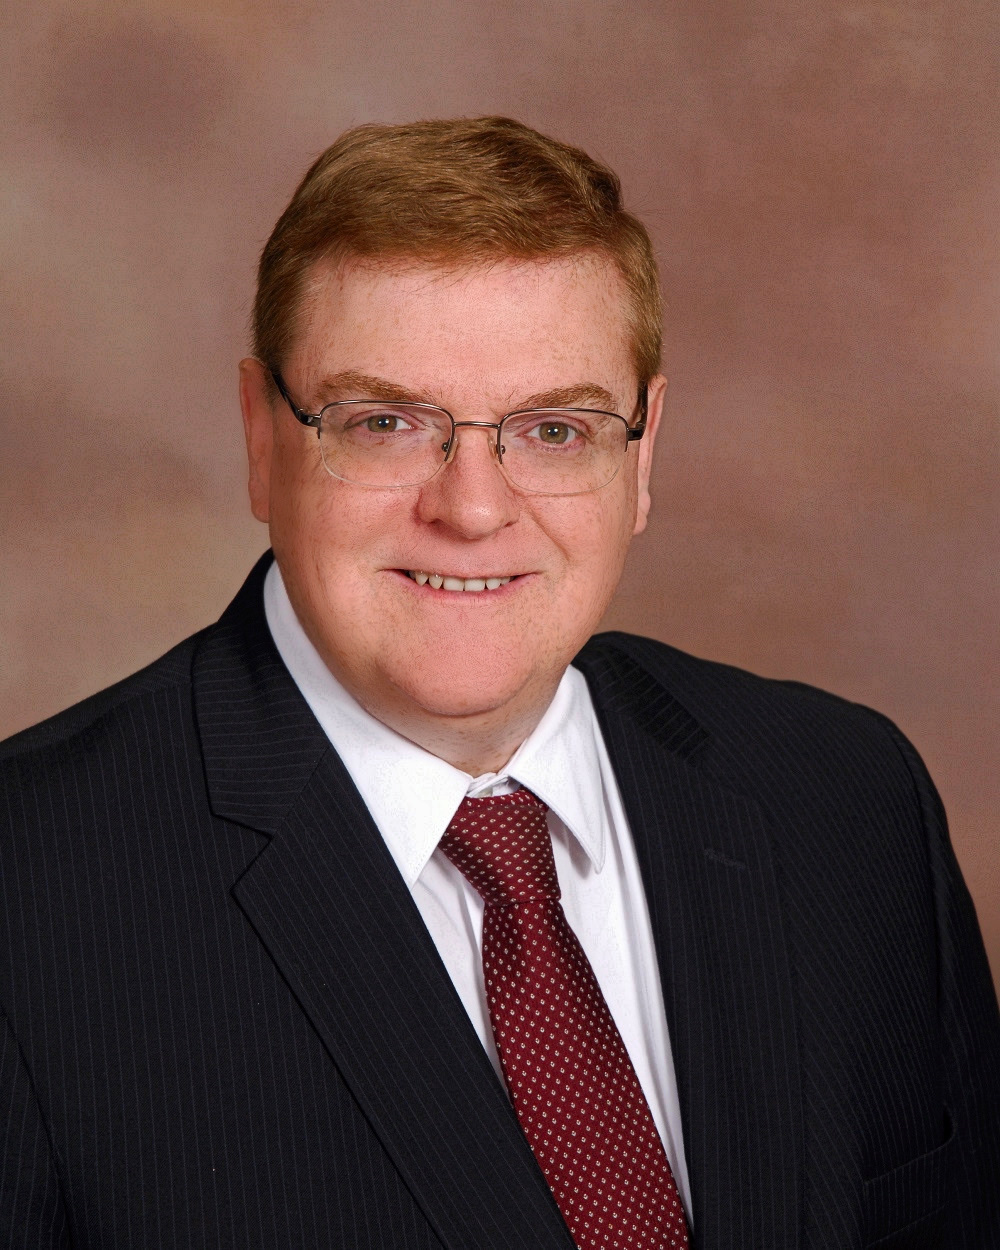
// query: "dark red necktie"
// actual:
[[569, 1075]]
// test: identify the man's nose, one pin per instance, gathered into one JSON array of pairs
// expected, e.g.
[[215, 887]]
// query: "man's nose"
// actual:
[[470, 494]]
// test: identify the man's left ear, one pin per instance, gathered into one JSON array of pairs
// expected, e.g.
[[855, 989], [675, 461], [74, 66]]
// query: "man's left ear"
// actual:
[[654, 410]]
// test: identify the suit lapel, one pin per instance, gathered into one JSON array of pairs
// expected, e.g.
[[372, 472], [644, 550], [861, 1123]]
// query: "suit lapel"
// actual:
[[330, 907], [708, 867]]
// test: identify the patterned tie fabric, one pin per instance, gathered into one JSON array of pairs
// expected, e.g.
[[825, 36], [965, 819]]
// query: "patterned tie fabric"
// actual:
[[569, 1075]]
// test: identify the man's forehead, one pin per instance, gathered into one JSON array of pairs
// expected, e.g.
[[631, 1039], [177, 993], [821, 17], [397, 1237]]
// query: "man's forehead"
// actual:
[[393, 306], [332, 284]]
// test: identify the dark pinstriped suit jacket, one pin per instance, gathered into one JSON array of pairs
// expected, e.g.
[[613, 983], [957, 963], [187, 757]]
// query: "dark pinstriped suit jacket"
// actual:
[[226, 1025]]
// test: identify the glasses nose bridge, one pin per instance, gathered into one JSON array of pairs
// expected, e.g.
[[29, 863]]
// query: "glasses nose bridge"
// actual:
[[452, 445]]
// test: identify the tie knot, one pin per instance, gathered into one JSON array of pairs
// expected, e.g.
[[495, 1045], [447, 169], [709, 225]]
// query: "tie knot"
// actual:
[[501, 845]]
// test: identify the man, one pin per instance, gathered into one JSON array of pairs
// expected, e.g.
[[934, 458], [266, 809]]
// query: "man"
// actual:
[[271, 974]]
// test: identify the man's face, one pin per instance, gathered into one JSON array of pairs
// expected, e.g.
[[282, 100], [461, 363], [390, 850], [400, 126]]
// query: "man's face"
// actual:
[[480, 343]]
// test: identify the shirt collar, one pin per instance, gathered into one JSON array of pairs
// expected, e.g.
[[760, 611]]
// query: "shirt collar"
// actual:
[[559, 762], [411, 794]]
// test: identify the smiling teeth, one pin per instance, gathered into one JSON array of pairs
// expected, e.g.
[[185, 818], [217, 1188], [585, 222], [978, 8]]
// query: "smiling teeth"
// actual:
[[439, 581]]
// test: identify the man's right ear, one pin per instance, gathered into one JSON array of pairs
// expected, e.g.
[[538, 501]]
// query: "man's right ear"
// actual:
[[258, 428]]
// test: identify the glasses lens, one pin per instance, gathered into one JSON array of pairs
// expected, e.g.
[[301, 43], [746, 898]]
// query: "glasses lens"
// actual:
[[383, 444], [563, 451]]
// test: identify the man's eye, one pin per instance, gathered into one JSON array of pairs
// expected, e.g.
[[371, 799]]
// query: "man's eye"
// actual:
[[385, 423], [555, 433]]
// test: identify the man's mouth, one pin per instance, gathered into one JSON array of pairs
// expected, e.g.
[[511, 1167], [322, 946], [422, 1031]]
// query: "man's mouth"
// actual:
[[445, 581]]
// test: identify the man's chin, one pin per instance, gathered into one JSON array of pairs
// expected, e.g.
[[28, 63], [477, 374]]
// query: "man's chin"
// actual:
[[458, 700], [455, 689]]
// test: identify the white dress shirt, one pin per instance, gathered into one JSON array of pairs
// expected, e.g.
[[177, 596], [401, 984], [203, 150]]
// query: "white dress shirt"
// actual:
[[412, 796]]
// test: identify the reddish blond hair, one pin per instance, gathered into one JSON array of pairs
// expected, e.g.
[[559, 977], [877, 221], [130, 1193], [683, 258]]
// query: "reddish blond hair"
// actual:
[[449, 194]]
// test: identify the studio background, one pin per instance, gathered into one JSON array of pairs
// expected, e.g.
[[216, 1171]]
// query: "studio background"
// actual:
[[821, 182]]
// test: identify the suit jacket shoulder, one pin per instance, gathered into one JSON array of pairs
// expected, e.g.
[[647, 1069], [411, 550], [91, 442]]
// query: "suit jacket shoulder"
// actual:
[[755, 732], [75, 724]]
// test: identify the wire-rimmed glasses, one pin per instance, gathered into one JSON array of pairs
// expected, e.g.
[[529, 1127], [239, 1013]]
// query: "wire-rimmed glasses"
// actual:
[[545, 451]]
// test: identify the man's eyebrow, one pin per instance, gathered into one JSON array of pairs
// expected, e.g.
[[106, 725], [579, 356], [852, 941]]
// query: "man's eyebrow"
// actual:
[[579, 395], [350, 384]]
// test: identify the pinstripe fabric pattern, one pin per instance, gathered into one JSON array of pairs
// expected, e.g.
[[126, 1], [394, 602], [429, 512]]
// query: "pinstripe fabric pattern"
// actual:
[[225, 1023]]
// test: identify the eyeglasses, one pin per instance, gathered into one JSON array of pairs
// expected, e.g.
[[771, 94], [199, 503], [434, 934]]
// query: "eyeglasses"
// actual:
[[545, 451]]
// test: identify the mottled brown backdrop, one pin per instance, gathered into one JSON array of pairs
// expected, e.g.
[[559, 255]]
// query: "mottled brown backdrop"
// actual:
[[821, 180]]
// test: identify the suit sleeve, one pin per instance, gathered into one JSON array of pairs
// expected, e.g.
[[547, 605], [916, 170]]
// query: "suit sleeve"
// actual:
[[32, 1214], [970, 1033]]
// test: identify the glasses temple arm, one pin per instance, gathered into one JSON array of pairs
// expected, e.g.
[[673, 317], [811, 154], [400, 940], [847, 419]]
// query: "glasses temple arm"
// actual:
[[635, 432], [298, 412]]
